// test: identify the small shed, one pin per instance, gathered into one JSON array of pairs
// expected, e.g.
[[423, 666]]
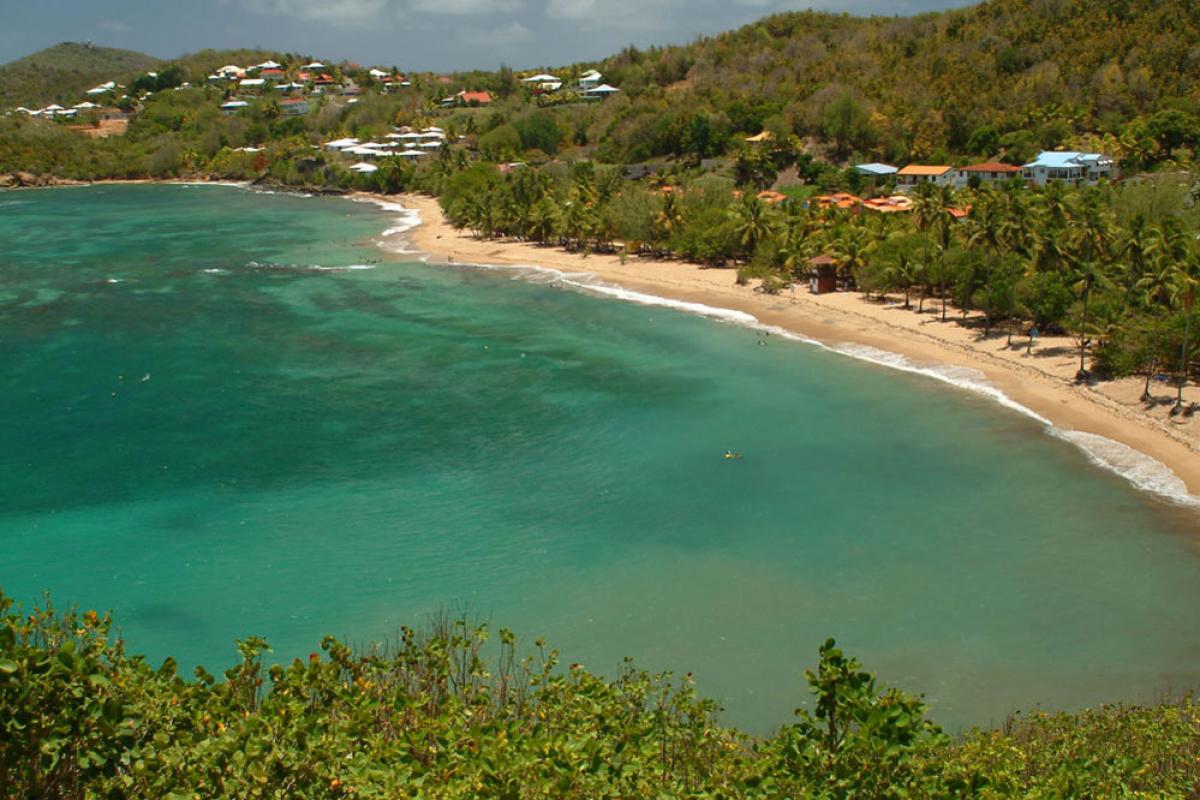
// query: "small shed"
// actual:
[[822, 274]]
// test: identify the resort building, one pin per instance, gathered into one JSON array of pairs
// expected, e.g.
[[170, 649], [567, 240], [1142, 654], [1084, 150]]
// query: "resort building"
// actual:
[[990, 172], [600, 92], [589, 80], [914, 175], [465, 98], [233, 107], [293, 107], [875, 170], [1069, 167], [543, 82], [822, 275]]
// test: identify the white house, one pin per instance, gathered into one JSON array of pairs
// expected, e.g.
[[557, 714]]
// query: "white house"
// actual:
[[988, 172], [600, 92], [314, 65], [589, 80], [378, 73], [102, 88], [915, 174], [875, 170], [268, 64], [252, 83], [1068, 167], [233, 106], [341, 144], [544, 82]]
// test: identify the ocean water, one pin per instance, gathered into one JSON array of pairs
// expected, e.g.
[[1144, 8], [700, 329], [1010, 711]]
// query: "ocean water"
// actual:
[[227, 413]]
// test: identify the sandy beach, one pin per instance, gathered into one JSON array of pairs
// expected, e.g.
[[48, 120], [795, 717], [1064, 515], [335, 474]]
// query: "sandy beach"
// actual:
[[1042, 381]]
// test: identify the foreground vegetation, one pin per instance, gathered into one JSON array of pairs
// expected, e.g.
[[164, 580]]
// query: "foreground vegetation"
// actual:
[[80, 718]]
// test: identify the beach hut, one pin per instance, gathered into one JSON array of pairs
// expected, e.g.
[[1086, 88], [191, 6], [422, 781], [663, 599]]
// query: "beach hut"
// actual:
[[822, 274]]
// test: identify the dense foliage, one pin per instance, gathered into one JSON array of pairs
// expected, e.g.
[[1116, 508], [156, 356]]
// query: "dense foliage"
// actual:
[[1002, 77], [430, 718], [61, 73]]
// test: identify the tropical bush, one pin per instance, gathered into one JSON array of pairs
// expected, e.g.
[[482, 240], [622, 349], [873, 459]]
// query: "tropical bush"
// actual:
[[431, 717]]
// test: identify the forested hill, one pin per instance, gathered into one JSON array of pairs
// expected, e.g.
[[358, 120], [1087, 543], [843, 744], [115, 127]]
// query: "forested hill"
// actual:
[[66, 70], [921, 86]]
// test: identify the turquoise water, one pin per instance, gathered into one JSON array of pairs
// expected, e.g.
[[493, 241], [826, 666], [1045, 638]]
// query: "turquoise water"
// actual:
[[230, 441]]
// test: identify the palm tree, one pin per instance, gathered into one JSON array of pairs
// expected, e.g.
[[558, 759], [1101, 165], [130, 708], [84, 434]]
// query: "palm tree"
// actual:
[[670, 217], [903, 274], [985, 228], [753, 223], [544, 220], [1154, 288], [944, 230], [1185, 279], [1091, 251], [851, 247], [924, 212]]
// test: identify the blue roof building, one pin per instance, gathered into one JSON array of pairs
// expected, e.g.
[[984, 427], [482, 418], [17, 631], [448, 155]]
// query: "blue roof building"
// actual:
[[876, 170], [1068, 167]]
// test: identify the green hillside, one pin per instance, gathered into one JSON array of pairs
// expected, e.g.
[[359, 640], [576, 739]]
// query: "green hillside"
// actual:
[[63, 72], [1040, 72]]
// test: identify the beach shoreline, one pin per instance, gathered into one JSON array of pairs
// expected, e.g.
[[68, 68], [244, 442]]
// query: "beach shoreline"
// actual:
[[878, 331]]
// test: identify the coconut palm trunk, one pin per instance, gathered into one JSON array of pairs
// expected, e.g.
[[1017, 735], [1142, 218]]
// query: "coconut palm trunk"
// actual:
[[1183, 351]]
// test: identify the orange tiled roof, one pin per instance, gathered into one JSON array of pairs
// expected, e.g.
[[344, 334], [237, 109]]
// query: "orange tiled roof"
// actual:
[[889, 205], [771, 198], [992, 166], [924, 170], [840, 199]]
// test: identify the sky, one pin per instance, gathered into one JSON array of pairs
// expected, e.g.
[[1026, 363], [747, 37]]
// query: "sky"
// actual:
[[438, 35]]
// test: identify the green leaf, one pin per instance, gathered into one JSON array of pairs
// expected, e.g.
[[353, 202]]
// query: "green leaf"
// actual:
[[8, 666]]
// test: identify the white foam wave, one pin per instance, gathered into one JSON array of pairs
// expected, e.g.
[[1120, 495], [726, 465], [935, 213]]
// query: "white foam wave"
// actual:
[[406, 220], [1139, 469], [215, 271], [306, 267], [1133, 465], [235, 184], [281, 192], [114, 280]]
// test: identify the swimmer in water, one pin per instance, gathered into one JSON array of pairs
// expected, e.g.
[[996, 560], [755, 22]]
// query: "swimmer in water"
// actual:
[[729, 454]]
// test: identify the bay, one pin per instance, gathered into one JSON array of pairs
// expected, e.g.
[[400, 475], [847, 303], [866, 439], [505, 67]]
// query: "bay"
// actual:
[[227, 414]]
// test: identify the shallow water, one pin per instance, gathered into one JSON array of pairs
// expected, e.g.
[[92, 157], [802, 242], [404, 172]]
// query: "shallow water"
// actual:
[[216, 429]]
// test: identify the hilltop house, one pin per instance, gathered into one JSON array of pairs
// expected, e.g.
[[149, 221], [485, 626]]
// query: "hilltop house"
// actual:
[[465, 98], [1069, 167], [293, 106], [914, 175], [589, 80], [543, 82], [600, 92], [989, 172], [233, 107], [875, 170]]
